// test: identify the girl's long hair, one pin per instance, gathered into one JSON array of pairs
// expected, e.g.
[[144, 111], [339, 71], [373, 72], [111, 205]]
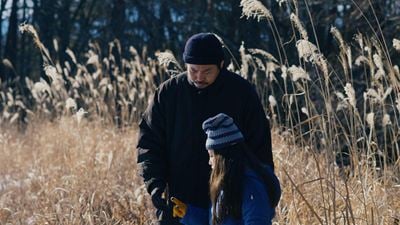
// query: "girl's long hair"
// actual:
[[227, 176]]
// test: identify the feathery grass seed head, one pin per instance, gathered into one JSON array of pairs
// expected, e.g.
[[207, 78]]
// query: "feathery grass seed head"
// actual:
[[351, 95], [398, 104], [360, 60], [300, 28], [272, 101], [255, 9], [370, 120], [284, 72], [396, 44], [306, 49], [71, 104], [298, 73], [386, 120]]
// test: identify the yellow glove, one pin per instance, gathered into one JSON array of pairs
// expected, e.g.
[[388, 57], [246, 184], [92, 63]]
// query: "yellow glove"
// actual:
[[179, 209]]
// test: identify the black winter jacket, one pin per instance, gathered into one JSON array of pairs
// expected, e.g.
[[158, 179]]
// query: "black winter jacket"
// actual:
[[171, 144]]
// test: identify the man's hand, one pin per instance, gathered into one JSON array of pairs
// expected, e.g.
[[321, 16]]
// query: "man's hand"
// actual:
[[179, 209]]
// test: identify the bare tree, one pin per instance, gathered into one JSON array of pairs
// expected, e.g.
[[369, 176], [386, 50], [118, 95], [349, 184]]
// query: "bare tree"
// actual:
[[2, 7], [10, 50]]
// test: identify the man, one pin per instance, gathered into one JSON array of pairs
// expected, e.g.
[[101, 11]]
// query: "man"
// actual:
[[171, 152]]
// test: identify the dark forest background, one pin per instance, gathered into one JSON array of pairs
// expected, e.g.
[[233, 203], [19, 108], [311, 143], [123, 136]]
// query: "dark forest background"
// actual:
[[153, 25]]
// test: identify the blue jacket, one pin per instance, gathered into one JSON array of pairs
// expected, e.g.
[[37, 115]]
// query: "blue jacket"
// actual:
[[256, 207]]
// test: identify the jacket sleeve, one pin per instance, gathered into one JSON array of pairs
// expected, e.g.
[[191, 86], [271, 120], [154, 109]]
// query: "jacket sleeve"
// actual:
[[256, 209], [151, 156], [257, 129]]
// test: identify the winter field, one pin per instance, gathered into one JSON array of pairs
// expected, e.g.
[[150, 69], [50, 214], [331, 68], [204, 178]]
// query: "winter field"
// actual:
[[63, 172], [67, 140]]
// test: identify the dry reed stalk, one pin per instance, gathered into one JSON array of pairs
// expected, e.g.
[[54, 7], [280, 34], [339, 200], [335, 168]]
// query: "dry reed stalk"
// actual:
[[300, 28], [396, 44], [310, 53], [345, 51], [268, 56], [298, 73], [351, 95], [32, 31], [255, 9], [306, 50], [166, 58], [246, 61]]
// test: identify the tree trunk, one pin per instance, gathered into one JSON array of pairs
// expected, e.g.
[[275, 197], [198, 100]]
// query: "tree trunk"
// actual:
[[2, 6], [10, 51], [118, 19], [47, 23], [64, 29], [23, 56], [117, 26]]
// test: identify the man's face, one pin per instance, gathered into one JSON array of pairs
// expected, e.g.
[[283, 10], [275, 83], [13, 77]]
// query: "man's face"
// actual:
[[202, 75]]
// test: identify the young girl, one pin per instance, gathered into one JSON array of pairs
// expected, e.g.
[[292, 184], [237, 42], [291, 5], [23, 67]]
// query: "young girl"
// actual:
[[242, 190]]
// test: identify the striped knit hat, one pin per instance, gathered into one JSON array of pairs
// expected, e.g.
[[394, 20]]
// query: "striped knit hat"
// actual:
[[221, 132]]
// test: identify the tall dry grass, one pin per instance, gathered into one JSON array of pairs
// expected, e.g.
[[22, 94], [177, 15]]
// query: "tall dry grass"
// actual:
[[105, 85], [63, 172], [342, 119], [336, 125], [316, 191], [68, 173]]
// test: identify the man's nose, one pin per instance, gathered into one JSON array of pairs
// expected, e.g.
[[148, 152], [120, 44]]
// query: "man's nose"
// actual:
[[200, 77]]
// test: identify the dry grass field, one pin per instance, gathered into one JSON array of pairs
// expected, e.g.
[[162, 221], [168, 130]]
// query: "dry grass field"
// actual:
[[63, 172], [336, 125]]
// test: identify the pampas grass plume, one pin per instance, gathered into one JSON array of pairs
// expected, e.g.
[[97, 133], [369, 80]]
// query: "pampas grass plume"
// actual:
[[255, 9]]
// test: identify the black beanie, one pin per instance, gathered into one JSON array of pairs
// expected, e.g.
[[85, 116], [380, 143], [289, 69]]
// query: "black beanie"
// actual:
[[203, 49]]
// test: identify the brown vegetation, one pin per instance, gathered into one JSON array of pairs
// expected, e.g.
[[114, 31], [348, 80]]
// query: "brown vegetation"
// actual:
[[68, 173], [336, 125]]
